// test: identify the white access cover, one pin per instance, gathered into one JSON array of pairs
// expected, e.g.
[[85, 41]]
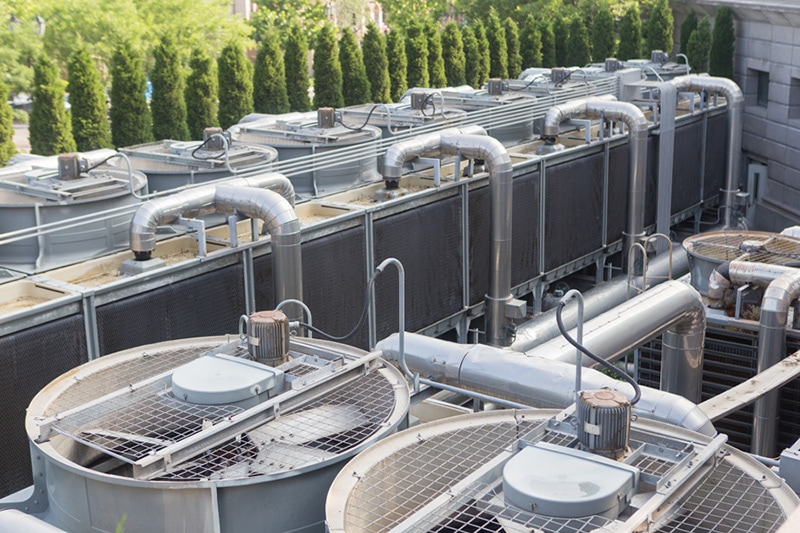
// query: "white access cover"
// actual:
[[563, 482], [217, 379]]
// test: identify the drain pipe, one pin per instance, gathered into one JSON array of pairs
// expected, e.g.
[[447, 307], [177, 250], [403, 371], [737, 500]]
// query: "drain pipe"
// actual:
[[531, 380], [637, 125], [735, 102], [783, 288]]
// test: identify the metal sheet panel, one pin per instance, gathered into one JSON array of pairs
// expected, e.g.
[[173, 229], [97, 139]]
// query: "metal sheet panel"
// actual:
[[716, 147], [618, 191], [525, 229], [687, 168]]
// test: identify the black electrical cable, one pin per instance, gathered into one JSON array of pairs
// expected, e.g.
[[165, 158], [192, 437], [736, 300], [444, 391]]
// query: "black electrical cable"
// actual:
[[358, 325], [429, 100], [637, 390], [366, 121], [221, 152], [102, 162]]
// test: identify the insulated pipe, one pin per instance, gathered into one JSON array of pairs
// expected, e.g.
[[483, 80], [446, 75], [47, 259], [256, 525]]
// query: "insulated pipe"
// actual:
[[531, 380], [419, 146], [599, 299], [735, 102], [194, 201], [498, 164], [783, 287]]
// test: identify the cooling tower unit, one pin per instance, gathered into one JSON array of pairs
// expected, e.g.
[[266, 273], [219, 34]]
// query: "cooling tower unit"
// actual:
[[197, 435], [523, 471], [38, 196], [403, 117]]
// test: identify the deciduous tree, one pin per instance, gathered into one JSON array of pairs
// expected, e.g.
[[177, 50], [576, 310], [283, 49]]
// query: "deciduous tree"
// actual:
[[202, 93], [87, 100]]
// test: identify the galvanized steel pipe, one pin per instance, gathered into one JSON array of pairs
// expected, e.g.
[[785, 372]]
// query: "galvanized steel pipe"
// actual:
[[419, 146]]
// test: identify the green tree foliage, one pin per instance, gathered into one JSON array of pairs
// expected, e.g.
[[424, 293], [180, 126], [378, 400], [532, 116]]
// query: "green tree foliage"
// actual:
[[355, 86], [286, 14], [453, 54], [87, 99], [396, 56], [269, 77], [50, 129], [530, 43], [561, 40], [630, 34], [472, 58], [722, 44], [603, 40], [202, 91], [131, 122], [235, 74], [436, 72], [513, 47], [498, 49], [484, 52], [167, 104], [374, 49], [7, 147], [548, 44], [295, 58], [417, 55], [402, 13], [688, 26], [578, 53], [658, 33], [327, 70], [699, 46]]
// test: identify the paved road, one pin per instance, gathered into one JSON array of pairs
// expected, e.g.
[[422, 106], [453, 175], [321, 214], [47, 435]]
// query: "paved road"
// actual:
[[21, 138]]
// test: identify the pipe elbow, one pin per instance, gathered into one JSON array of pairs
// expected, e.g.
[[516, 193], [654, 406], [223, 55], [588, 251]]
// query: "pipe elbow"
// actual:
[[674, 409]]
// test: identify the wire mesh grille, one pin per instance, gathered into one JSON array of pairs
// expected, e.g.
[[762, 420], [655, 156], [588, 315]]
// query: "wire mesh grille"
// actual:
[[727, 246]]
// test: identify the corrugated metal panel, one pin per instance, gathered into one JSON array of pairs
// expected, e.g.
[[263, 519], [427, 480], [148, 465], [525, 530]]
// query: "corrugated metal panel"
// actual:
[[617, 191], [687, 166], [716, 147], [480, 244], [525, 230]]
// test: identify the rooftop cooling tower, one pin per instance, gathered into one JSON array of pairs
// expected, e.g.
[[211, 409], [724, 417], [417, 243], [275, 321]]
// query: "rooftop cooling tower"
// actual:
[[38, 195], [525, 471], [419, 108], [198, 435]]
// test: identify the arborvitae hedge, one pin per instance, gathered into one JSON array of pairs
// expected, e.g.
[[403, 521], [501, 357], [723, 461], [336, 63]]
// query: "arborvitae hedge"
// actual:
[[168, 104], [327, 70], [603, 39], [50, 130], [453, 54], [235, 74], [87, 100], [436, 73], [355, 86], [512, 47], [131, 122], [699, 46], [396, 56], [722, 44], [658, 34], [472, 57], [374, 49], [202, 93], [548, 44], [578, 53], [561, 40], [530, 43], [630, 34], [483, 48], [688, 26], [269, 77], [498, 49], [295, 58], [417, 55], [7, 147]]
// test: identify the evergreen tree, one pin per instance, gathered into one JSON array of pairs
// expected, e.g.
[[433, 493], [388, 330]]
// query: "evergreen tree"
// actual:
[[202, 89], [417, 55], [658, 34], [561, 38], [722, 44], [7, 147], [374, 49], [603, 39], [472, 58], [688, 26], [436, 73], [578, 53], [50, 129], [396, 56], [87, 100], [327, 70], [498, 50], [235, 74], [530, 43], [453, 54], [699, 46], [269, 76], [548, 45], [295, 57], [630, 34], [512, 46], [131, 122], [484, 53], [355, 86], [167, 104]]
